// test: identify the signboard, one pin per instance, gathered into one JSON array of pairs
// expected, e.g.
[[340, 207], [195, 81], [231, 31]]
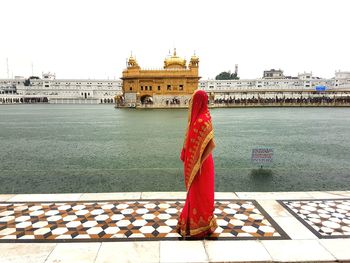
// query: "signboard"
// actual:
[[321, 88], [262, 155]]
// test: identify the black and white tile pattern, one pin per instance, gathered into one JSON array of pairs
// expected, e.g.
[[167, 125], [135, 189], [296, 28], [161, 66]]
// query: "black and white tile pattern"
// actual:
[[126, 220], [325, 218]]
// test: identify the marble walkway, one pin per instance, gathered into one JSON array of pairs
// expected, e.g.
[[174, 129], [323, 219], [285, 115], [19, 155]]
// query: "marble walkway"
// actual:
[[140, 227]]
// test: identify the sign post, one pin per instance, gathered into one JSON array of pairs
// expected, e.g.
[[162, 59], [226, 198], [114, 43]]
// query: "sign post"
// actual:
[[262, 156]]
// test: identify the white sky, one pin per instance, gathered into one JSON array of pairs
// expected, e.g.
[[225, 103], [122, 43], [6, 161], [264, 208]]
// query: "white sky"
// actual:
[[92, 39]]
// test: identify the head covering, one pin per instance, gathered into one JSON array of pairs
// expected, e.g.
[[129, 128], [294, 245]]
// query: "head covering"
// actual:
[[198, 135]]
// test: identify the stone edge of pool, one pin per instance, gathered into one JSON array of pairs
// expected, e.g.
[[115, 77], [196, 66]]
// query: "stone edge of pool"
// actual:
[[303, 246], [171, 195]]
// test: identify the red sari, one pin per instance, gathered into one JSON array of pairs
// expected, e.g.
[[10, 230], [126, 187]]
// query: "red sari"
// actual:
[[197, 216]]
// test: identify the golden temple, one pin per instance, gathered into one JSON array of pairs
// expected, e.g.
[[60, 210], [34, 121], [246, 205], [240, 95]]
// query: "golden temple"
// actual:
[[171, 86]]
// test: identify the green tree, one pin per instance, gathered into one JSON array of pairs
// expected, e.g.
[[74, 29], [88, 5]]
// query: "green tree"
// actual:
[[226, 75], [27, 81]]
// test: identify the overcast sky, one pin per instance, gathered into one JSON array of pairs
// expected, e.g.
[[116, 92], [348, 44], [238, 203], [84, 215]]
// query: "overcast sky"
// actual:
[[92, 39]]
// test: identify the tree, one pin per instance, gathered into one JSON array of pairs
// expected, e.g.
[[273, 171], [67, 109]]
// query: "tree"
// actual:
[[27, 81], [226, 75]]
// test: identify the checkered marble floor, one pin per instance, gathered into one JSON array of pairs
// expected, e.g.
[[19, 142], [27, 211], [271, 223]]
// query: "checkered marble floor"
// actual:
[[126, 220], [325, 218]]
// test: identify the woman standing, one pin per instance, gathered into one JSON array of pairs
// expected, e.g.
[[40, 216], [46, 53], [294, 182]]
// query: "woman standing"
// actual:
[[197, 217]]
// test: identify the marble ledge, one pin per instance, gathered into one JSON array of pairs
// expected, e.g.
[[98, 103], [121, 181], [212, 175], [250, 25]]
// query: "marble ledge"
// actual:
[[183, 251], [339, 248], [110, 196], [25, 252], [74, 252], [128, 252], [294, 195], [163, 195], [330, 194], [236, 251], [262, 197], [6, 197], [297, 250], [182, 195], [44, 197], [225, 195], [273, 195]]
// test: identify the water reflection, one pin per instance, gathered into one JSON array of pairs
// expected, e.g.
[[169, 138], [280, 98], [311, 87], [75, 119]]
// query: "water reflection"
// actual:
[[261, 173], [261, 179]]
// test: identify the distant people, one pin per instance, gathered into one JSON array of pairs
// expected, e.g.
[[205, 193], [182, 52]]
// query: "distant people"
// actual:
[[197, 218]]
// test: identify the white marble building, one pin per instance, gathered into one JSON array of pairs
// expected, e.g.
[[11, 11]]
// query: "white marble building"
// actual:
[[8, 86], [304, 82], [91, 91], [96, 91], [342, 80]]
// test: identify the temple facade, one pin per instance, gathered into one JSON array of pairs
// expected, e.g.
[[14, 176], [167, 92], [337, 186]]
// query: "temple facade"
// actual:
[[171, 86]]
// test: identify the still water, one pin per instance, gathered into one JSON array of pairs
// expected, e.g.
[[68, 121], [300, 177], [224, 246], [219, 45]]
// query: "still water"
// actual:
[[96, 148]]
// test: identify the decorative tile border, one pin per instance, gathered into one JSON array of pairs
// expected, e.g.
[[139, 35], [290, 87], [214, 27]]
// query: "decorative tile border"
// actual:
[[126, 220], [326, 218]]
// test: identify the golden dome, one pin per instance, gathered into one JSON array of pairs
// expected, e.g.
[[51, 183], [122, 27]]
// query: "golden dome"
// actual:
[[194, 61], [132, 59], [174, 61], [194, 58], [132, 62]]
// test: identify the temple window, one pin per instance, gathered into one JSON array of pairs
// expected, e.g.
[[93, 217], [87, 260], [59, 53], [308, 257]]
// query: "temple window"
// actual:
[[169, 87], [158, 87], [130, 88], [150, 87], [181, 87], [141, 87], [146, 88]]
